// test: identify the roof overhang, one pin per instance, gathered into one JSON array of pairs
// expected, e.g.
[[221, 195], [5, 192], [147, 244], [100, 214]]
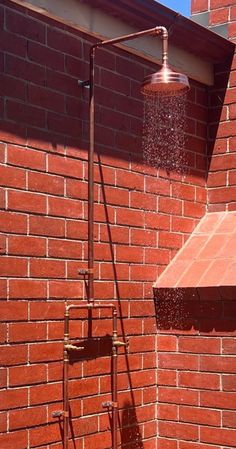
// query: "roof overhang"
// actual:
[[193, 49], [208, 258]]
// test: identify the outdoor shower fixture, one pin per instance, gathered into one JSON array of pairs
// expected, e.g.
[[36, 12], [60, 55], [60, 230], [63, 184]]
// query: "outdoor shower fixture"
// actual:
[[164, 82]]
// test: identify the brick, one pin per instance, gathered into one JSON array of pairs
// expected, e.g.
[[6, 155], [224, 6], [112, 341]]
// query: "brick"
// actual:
[[178, 361], [13, 355], [14, 310], [101, 440], [157, 256], [116, 82], [217, 436], [219, 16], [116, 196], [199, 380], [129, 180], [144, 201], [41, 182], [142, 343], [10, 85], [167, 443], [178, 431], [130, 217], [47, 310], [178, 396], [50, 227], [27, 289], [65, 207], [229, 382], [25, 26], [166, 343], [170, 206], [43, 268], [196, 416], [43, 352], [143, 273], [170, 240], [217, 364], [218, 179], [130, 290], [103, 213], [194, 210], [24, 113], [218, 399], [27, 332], [182, 224], [40, 394], [200, 345], [64, 42], [61, 82], [143, 237], [12, 177], [158, 186], [78, 230], [27, 375], [129, 254], [63, 124], [65, 166], [25, 157], [64, 249], [13, 44], [183, 191], [78, 189], [157, 221], [24, 70], [65, 289], [3, 288], [229, 419], [136, 309], [13, 222], [26, 202], [26, 246], [45, 56], [18, 440], [30, 417], [120, 271], [13, 132], [199, 6], [46, 98], [167, 412], [115, 234], [11, 266]]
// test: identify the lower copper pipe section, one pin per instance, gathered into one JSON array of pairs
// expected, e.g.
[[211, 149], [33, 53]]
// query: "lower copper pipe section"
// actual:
[[68, 346]]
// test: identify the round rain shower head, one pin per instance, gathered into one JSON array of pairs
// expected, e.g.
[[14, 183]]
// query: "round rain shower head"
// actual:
[[165, 82]]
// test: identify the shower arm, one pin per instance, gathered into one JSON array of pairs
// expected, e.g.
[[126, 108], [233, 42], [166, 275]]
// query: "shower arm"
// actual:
[[90, 83]]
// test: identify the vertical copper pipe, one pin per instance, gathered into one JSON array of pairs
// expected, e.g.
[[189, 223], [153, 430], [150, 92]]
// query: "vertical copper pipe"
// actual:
[[91, 183], [65, 382], [114, 381], [152, 31]]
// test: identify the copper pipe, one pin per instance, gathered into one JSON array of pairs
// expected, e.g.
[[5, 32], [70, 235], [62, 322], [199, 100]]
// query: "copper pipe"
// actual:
[[151, 31], [65, 382], [114, 381]]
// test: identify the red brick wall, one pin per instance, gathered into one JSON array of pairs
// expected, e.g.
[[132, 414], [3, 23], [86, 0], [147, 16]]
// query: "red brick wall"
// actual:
[[142, 215], [197, 366]]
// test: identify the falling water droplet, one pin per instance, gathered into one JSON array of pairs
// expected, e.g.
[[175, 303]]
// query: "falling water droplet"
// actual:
[[164, 131]]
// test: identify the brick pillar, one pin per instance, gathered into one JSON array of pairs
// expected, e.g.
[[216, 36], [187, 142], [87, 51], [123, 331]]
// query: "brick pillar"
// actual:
[[220, 16]]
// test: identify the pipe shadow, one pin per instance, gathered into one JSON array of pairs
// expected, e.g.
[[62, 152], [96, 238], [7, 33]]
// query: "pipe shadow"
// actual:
[[131, 404], [129, 429]]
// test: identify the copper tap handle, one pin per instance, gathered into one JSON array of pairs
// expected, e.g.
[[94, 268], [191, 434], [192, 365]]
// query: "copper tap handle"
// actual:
[[74, 348]]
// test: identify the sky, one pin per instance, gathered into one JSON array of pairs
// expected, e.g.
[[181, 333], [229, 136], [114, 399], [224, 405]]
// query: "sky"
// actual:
[[182, 6]]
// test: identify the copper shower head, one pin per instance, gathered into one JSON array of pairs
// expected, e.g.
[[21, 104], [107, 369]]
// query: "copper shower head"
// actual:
[[165, 82]]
